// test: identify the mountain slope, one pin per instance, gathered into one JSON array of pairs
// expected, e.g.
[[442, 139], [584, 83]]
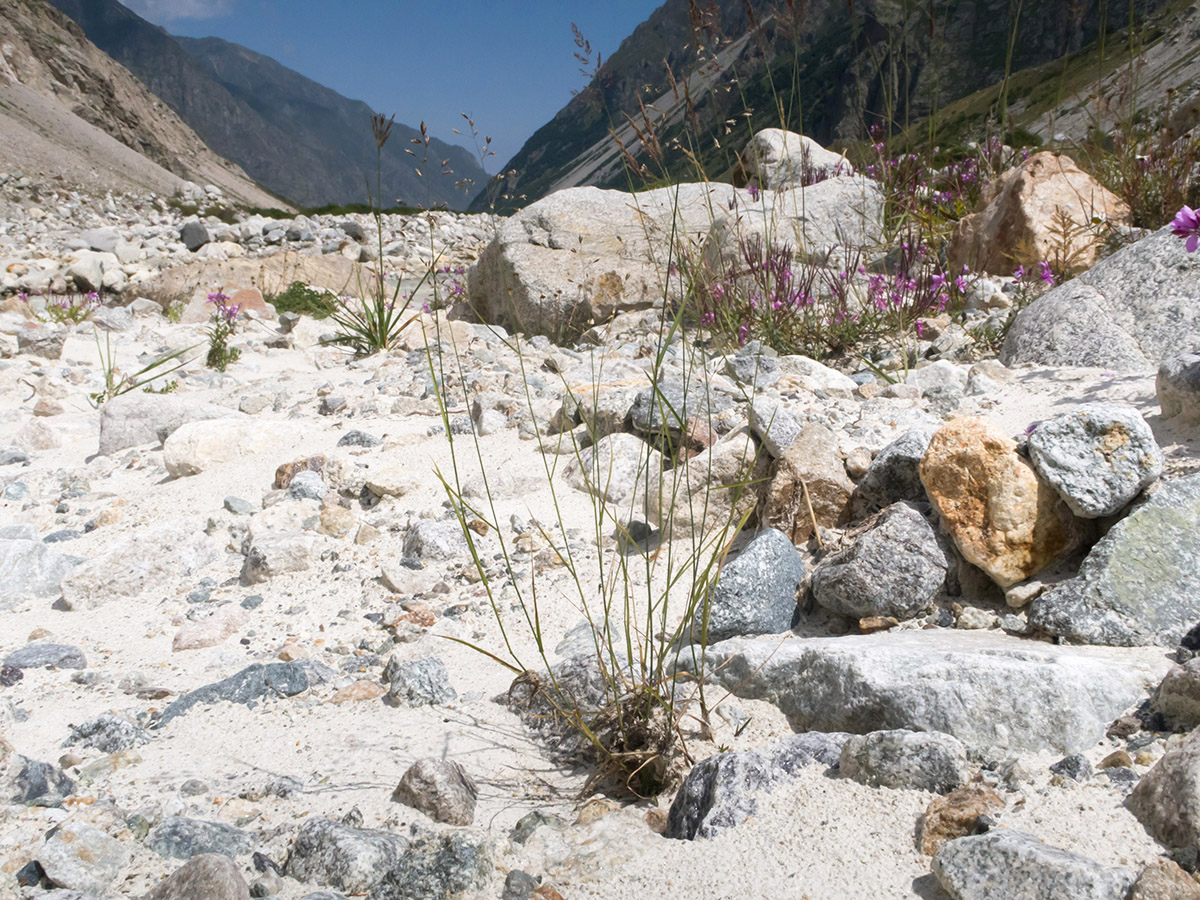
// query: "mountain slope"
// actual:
[[67, 109], [827, 67], [296, 137]]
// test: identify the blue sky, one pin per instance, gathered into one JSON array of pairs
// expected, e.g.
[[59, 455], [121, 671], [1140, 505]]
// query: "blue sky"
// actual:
[[508, 63]]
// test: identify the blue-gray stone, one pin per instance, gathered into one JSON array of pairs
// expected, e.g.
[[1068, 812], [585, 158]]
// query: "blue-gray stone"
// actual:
[[41, 784], [1098, 457], [419, 682], [1009, 863], [1140, 584], [721, 791], [36, 656], [756, 592], [250, 684], [895, 567], [181, 838]]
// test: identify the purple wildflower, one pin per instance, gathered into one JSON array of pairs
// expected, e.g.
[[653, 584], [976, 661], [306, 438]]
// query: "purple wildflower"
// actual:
[[1186, 224]]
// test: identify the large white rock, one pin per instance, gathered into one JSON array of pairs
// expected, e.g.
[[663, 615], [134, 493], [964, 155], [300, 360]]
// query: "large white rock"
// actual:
[[201, 445], [580, 256], [994, 693], [776, 160], [148, 560], [136, 419]]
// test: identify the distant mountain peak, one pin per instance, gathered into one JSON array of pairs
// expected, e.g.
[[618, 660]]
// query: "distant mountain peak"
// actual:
[[298, 138]]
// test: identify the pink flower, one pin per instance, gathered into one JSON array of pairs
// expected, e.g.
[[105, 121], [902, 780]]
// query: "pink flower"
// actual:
[[1186, 224]]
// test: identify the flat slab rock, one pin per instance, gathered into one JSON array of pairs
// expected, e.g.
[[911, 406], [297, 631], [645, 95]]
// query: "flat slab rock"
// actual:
[[995, 693]]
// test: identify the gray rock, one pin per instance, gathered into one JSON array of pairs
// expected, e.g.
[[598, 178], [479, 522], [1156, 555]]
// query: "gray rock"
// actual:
[[11, 456], [1098, 457], [1167, 798], [437, 867], [773, 425], [420, 682], [137, 419], [238, 506], [755, 371], [180, 838], [1140, 584], [894, 473], [1008, 864], [42, 340], [39, 784], [906, 759], [996, 694], [616, 469], [103, 240], [358, 438], [81, 858], [37, 656], [1128, 313], [427, 539], [663, 409], [755, 593], [895, 567], [441, 789], [307, 486], [252, 683], [194, 236], [107, 733], [112, 318], [209, 876], [1177, 698], [352, 230], [151, 559], [30, 570], [519, 885], [1075, 767], [1178, 386], [775, 159], [722, 791], [354, 860]]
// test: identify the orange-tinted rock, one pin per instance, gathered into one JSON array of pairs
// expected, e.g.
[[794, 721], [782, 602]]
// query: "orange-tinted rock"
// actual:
[[1000, 516], [814, 461], [285, 473], [956, 815], [1015, 222]]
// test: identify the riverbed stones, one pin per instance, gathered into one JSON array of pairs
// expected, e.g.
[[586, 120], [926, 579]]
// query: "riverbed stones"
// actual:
[[353, 860], [956, 815], [178, 837], [1178, 387], [992, 692], [1128, 313], [755, 592], [810, 471], [137, 419], [1140, 584], [722, 791], [1166, 800], [30, 570], [895, 566], [1098, 457], [440, 788], [1000, 516], [208, 876], [1010, 863], [775, 159], [923, 761], [81, 857], [894, 474], [1177, 698]]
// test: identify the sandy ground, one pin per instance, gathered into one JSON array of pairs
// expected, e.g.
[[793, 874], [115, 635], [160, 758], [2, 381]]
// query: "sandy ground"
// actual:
[[821, 837]]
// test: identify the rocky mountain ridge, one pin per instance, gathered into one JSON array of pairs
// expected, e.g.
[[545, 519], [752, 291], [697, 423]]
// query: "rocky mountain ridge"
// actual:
[[299, 139], [829, 69], [69, 113]]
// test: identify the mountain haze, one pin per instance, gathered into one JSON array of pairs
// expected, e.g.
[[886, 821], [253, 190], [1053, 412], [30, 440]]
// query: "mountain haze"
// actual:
[[299, 139]]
